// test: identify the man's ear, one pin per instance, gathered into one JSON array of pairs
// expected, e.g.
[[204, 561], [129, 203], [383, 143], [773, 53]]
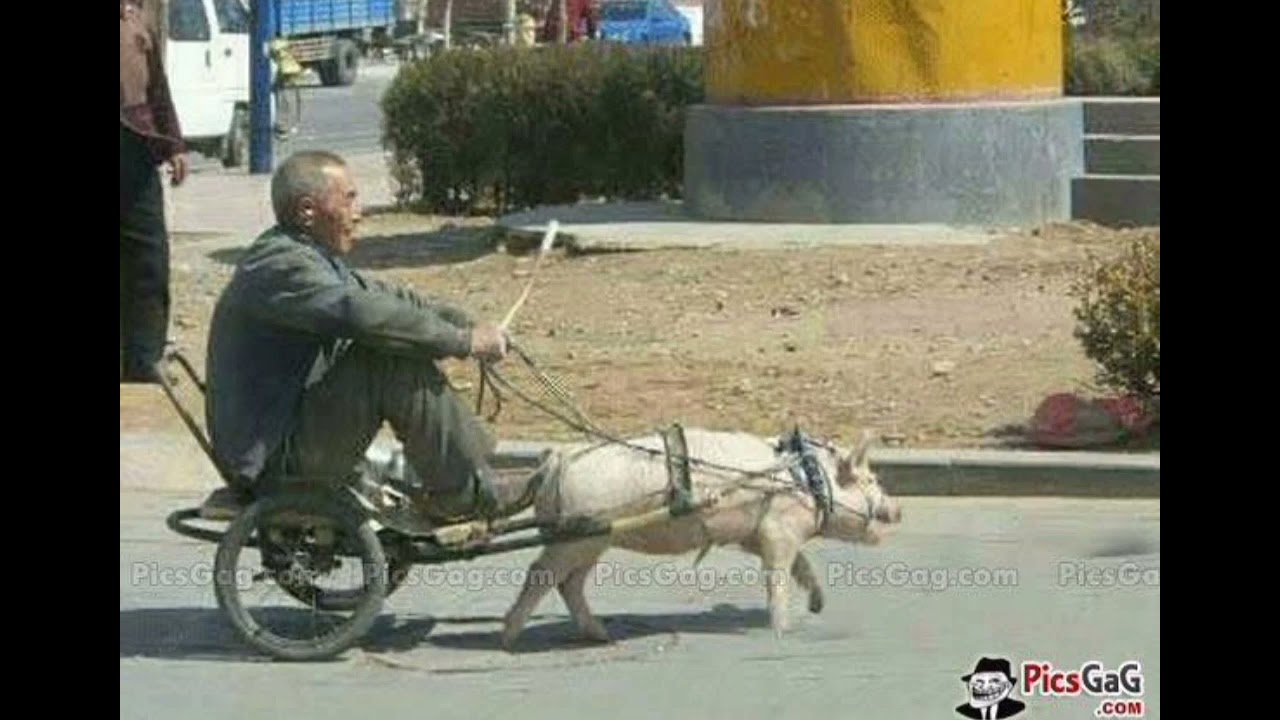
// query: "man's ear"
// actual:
[[304, 210]]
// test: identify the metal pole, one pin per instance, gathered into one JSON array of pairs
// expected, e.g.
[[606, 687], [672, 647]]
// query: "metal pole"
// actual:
[[448, 24], [260, 161], [509, 22]]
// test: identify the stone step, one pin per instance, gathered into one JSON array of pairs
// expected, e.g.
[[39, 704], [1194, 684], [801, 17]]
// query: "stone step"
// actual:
[[1122, 154], [1116, 200], [1122, 115]]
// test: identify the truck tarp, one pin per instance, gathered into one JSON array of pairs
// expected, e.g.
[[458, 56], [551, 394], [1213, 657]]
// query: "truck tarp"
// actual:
[[303, 17]]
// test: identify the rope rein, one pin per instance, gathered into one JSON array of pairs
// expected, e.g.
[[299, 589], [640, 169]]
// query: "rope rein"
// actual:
[[586, 426], [573, 417]]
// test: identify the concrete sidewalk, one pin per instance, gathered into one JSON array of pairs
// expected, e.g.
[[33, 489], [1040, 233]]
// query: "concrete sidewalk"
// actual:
[[233, 202], [237, 206], [623, 226]]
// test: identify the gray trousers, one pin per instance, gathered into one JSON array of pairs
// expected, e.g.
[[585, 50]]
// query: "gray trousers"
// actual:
[[444, 442]]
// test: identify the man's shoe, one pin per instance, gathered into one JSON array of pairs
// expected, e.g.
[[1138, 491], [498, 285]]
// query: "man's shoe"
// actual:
[[477, 502], [224, 504], [146, 376]]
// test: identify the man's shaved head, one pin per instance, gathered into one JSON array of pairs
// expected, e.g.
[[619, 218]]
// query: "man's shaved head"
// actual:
[[313, 194], [303, 174]]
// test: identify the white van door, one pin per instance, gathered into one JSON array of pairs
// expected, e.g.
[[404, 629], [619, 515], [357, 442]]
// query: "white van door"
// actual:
[[231, 51], [193, 79]]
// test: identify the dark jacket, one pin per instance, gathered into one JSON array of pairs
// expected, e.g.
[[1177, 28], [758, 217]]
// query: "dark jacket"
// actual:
[[277, 328]]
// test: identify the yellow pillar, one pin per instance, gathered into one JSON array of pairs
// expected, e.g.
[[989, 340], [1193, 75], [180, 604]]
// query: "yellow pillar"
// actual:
[[804, 52]]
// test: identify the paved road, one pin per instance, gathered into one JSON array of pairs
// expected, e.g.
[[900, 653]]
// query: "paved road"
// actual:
[[695, 645], [346, 119]]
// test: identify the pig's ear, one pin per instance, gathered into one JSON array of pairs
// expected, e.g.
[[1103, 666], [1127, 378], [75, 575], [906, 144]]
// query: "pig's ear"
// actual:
[[844, 469], [857, 458]]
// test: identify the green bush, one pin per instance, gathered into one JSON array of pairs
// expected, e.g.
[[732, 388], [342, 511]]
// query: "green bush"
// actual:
[[509, 128], [1119, 318], [1116, 51], [1113, 65]]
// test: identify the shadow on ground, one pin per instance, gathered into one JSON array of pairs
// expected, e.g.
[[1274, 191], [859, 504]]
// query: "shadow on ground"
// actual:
[[447, 246], [540, 637], [205, 634]]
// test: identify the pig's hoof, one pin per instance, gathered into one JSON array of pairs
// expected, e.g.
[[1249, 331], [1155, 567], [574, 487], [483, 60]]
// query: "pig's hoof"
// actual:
[[780, 627], [596, 633], [816, 602], [509, 636]]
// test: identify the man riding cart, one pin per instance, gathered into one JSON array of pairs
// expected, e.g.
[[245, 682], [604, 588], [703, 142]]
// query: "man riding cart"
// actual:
[[308, 358]]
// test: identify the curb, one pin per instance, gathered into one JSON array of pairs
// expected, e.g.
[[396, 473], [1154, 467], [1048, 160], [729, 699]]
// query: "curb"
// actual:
[[171, 461], [1008, 473], [590, 227]]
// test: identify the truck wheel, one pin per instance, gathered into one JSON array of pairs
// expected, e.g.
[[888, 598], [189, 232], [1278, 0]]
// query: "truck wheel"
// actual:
[[235, 146], [343, 67]]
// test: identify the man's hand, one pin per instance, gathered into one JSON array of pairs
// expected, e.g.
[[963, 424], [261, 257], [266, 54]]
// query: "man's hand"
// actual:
[[178, 167], [488, 343]]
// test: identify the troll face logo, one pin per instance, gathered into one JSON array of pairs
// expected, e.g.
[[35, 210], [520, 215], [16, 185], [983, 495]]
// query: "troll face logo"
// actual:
[[989, 686]]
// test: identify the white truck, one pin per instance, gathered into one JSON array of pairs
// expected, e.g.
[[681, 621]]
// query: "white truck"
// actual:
[[207, 56]]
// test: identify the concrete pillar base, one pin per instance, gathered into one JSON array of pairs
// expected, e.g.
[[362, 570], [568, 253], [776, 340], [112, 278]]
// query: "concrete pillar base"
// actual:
[[1007, 163]]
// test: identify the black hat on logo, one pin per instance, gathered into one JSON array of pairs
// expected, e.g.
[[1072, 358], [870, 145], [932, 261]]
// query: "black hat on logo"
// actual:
[[999, 665]]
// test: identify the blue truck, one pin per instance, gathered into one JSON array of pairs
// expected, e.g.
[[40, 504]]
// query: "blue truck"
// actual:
[[330, 36]]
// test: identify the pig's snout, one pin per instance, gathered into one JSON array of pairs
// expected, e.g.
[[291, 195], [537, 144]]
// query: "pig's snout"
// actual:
[[889, 512]]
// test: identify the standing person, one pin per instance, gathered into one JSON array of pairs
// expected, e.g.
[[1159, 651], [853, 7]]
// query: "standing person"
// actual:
[[149, 136]]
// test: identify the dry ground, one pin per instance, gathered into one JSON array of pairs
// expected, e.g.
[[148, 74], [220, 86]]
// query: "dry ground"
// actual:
[[935, 346]]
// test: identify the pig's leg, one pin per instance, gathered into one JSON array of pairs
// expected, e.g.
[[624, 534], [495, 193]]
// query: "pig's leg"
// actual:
[[778, 554], [573, 593], [802, 571], [550, 570]]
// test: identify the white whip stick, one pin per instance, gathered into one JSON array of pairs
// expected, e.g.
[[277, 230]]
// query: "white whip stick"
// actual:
[[548, 239]]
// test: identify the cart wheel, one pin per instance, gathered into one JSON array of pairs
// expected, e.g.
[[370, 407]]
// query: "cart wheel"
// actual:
[[300, 539], [339, 600]]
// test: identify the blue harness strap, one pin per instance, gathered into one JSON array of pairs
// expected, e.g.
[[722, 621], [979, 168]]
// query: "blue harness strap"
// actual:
[[808, 472], [677, 457]]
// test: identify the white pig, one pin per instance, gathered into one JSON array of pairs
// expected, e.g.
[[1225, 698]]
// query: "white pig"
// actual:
[[771, 518]]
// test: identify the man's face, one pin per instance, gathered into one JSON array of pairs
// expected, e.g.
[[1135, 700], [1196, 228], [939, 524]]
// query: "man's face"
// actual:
[[336, 213], [988, 688], [129, 8]]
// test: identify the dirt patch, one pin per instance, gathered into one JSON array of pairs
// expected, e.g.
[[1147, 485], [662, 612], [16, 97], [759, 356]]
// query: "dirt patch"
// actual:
[[938, 345]]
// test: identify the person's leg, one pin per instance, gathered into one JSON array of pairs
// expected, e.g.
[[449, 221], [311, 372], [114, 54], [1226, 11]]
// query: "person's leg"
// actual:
[[443, 441], [144, 262]]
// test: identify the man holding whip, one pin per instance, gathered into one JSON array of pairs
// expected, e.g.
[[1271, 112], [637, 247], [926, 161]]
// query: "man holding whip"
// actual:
[[308, 358]]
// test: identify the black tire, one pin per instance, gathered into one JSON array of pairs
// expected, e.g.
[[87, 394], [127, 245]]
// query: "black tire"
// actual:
[[354, 533], [235, 148], [343, 67]]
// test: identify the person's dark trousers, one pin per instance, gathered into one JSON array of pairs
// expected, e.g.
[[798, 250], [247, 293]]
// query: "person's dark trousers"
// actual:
[[144, 261], [444, 442]]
